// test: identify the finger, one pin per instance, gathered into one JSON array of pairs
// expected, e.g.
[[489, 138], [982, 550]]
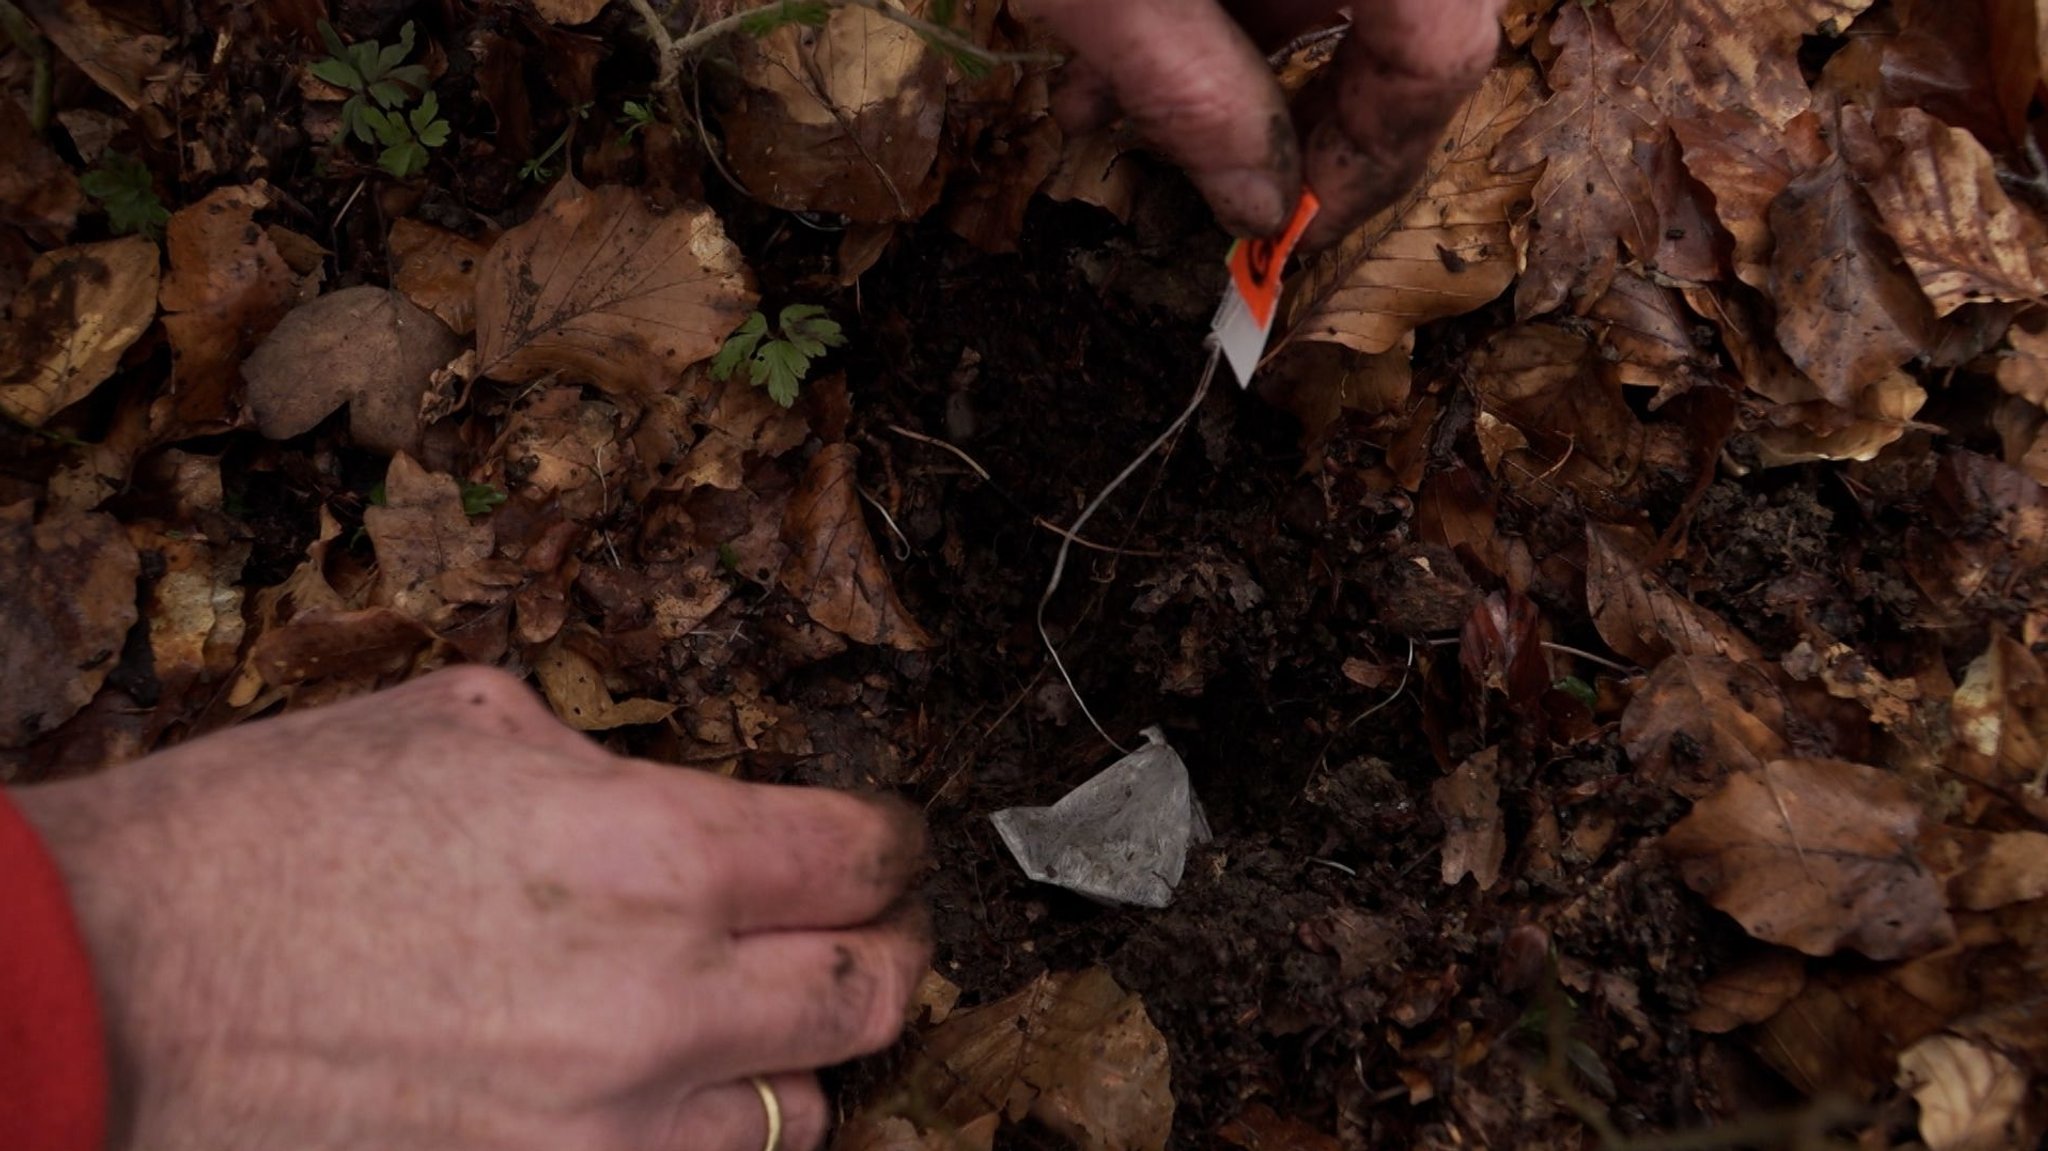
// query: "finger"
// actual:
[[793, 1000], [1197, 87], [1082, 99], [1401, 73], [733, 1117], [789, 858]]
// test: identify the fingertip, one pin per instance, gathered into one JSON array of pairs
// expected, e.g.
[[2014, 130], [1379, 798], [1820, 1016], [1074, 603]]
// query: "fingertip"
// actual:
[[1249, 202]]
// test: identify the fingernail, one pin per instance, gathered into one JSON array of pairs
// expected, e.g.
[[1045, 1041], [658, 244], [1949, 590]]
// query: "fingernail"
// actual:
[[1248, 201]]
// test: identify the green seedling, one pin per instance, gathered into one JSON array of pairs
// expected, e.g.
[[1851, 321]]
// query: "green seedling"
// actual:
[[538, 170], [778, 359], [480, 498], [381, 87], [634, 117], [125, 189]]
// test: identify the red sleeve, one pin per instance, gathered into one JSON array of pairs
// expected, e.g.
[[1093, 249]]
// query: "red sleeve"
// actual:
[[53, 1062]]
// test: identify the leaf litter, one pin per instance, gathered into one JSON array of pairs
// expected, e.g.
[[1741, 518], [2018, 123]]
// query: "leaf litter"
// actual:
[[1661, 547]]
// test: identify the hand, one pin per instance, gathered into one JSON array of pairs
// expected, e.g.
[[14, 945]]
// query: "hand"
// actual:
[[437, 919], [1191, 75]]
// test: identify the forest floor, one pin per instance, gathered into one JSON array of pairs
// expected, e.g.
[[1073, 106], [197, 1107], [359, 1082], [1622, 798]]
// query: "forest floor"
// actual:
[[1606, 642]]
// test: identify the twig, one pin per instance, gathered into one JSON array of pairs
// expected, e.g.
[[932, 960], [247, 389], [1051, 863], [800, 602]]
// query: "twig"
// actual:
[[1084, 541], [1040, 521], [934, 441], [1589, 657], [903, 548], [1059, 565], [23, 32]]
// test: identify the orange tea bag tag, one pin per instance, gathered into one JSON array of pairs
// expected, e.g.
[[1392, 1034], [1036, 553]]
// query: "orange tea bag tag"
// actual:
[[1251, 301]]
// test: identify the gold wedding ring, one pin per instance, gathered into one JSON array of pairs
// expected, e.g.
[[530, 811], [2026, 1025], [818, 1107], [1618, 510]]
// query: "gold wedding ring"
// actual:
[[773, 1107]]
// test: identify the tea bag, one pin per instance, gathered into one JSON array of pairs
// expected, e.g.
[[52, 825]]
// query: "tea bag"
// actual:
[[1121, 837]]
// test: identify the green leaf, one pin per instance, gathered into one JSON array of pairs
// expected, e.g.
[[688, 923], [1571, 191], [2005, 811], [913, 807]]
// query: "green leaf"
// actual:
[[403, 159], [480, 498], [812, 333], [739, 346], [762, 21], [435, 134], [389, 127], [972, 64], [388, 94], [337, 73], [378, 498], [430, 107], [395, 55], [332, 39], [412, 76], [357, 115], [363, 58], [126, 190], [784, 367], [941, 12]]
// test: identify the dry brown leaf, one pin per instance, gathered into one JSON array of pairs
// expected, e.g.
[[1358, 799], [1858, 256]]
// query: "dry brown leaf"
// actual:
[[2000, 719], [1848, 312], [1468, 801], [985, 205], [1072, 1051], [1708, 55], [599, 285], [1644, 618], [739, 421], [69, 605], [1940, 57], [422, 538], [1444, 250], [569, 11], [1817, 855], [2023, 371], [934, 999], [344, 653], [833, 568], [1319, 382], [1593, 195], [437, 270], [1745, 164], [1646, 340], [1966, 240], [227, 288], [37, 189], [1095, 169], [69, 324], [1818, 430], [194, 609], [366, 347], [896, 1133], [575, 688], [843, 118], [1845, 1028], [1700, 717], [1971, 1097], [106, 44], [1547, 382], [1846, 674], [1998, 869], [1260, 1128], [562, 447], [1748, 994]]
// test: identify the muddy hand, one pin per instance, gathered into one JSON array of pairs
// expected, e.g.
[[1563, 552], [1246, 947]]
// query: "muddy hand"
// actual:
[[435, 918], [1191, 75]]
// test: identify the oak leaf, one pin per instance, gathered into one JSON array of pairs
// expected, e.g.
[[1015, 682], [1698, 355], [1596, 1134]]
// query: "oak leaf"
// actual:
[[833, 567], [1817, 855], [601, 286], [1443, 250], [70, 603], [1592, 194], [68, 326]]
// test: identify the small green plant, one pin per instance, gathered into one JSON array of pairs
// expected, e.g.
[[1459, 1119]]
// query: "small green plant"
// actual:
[[778, 359], [381, 86], [124, 187], [480, 498], [634, 117], [538, 170]]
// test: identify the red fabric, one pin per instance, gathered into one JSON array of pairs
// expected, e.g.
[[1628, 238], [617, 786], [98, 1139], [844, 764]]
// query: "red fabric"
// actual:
[[53, 1060]]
